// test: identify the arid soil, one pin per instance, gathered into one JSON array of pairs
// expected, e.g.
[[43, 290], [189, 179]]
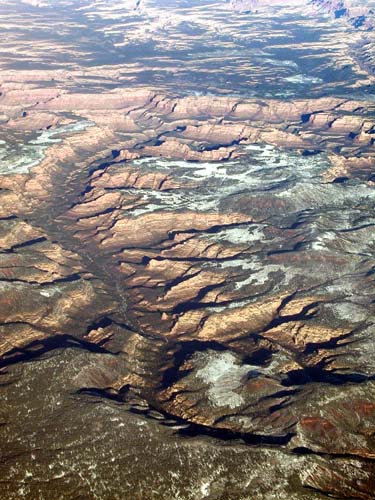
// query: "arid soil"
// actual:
[[187, 250]]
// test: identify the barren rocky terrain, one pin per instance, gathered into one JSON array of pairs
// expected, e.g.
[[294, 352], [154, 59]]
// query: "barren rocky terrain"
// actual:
[[187, 250]]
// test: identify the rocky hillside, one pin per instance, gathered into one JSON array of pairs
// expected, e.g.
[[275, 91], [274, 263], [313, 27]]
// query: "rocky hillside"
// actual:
[[186, 251]]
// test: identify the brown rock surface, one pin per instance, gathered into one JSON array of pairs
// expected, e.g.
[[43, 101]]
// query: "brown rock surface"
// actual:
[[192, 257]]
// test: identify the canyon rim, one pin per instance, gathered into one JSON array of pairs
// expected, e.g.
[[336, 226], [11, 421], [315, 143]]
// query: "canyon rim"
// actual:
[[187, 249]]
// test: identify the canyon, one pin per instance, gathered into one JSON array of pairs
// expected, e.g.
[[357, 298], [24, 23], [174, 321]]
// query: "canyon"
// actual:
[[187, 250]]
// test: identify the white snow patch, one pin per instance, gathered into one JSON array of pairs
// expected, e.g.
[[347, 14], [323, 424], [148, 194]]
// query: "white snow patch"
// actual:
[[32, 153], [348, 311], [223, 374], [50, 292], [241, 235], [303, 79]]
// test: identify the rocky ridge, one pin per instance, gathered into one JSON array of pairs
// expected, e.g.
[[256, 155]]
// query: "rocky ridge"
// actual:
[[199, 266]]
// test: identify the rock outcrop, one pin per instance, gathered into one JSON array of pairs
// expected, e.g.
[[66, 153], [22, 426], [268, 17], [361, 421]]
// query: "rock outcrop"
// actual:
[[186, 250]]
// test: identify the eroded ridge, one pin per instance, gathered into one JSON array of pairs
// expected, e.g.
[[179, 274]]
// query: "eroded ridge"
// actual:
[[188, 270]]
